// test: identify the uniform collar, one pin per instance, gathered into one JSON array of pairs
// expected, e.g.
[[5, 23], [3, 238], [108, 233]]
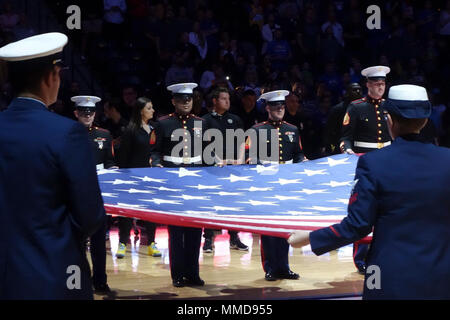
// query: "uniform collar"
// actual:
[[374, 101], [183, 117], [276, 124], [411, 137], [28, 103]]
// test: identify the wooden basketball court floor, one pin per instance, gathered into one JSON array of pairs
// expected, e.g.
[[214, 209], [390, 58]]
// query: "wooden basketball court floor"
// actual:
[[229, 274]]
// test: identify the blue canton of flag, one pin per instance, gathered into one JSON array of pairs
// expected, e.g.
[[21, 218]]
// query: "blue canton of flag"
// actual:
[[272, 200]]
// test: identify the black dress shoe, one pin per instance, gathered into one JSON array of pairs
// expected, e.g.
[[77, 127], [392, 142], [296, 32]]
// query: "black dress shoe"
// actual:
[[362, 269], [178, 283], [270, 276], [102, 289], [194, 281], [289, 275]]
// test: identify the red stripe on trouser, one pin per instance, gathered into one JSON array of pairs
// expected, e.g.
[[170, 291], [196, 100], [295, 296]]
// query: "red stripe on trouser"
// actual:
[[170, 251], [263, 258], [355, 250]]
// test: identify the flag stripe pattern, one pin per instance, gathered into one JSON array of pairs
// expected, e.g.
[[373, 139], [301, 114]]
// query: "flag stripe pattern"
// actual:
[[271, 200]]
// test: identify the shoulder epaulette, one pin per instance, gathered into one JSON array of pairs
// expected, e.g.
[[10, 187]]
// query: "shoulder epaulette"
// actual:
[[260, 124], [101, 129], [165, 117], [197, 117], [359, 100], [285, 122]]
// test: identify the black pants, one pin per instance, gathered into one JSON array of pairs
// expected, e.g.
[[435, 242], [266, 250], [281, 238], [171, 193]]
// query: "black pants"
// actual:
[[209, 234], [184, 250], [274, 254], [125, 225], [98, 256]]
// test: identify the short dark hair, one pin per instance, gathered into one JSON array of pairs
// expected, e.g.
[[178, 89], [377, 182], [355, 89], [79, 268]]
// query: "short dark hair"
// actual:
[[215, 93], [26, 75], [408, 125]]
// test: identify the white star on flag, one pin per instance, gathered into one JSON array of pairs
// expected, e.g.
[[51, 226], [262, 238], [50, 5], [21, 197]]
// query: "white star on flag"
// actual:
[[188, 197], [261, 169], [259, 203], [319, 208], [344, 201], [331, 162], [223, 193], [253, 189], [335, 184], [233, 178], [160, 201], [118, 181], [287, 181], [105, 171], [203, 187], [182, 172], [284, 198], [310, 173], [221, 208], [310, 191], [111, 195], [166, 189], [131, 190], [148, 179]]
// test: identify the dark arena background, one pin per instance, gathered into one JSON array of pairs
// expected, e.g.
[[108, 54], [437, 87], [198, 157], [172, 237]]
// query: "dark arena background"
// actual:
[[313, 49]]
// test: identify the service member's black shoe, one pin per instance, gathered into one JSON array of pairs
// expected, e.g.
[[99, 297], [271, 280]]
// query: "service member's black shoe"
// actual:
[[288, 275], [102, 290], [178, 282], [195, 281], [361, 269], [270, 276]]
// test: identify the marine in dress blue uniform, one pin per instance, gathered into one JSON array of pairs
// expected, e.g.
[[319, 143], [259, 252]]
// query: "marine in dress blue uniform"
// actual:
[[275, 250], [406, 207], [102, 148], [364, 129], [184, 242], [50, 199]]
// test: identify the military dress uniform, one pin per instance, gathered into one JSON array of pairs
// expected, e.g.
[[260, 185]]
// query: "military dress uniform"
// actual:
[[102, 148], [275, 250], [364, 129], [184, 242], [406, 207], [224, 122]]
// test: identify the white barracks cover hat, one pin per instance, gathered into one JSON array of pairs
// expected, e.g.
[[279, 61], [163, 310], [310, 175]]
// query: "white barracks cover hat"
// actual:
[[40, 46], [182, 88], [274, 96], [377, 72], [85, 101]]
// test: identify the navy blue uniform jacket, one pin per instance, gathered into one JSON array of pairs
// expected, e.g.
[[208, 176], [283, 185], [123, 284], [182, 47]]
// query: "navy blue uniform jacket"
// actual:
[[49, 202], [403, 193]]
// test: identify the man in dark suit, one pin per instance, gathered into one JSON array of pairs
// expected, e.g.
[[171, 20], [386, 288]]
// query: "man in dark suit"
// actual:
[[407, 206], [50, 200], [219, 118]]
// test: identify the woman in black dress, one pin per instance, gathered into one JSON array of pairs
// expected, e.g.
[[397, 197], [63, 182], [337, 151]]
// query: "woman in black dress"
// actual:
[[136, 145]]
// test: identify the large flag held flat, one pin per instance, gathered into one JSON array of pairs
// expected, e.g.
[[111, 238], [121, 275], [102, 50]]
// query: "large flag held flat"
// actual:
[[271, 200]]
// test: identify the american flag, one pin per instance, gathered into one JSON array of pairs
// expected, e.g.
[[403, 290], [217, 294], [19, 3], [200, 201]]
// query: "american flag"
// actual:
[[272, 199]]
